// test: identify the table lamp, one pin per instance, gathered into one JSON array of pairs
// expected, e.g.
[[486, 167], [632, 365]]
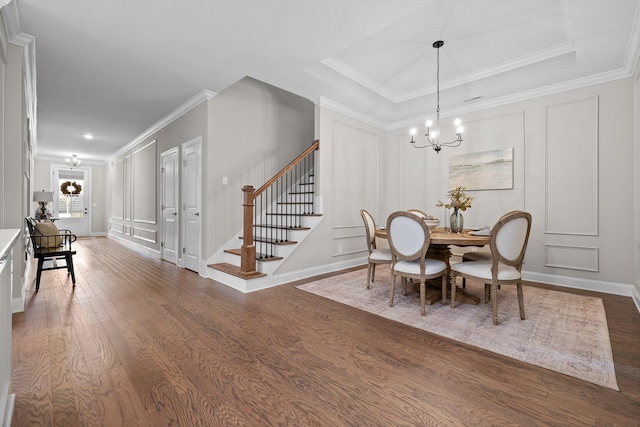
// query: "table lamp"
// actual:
[[42, 197]]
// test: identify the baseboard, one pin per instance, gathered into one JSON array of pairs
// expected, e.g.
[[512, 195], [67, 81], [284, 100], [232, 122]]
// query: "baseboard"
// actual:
[[17, 304], [578, 283], [136, 246]]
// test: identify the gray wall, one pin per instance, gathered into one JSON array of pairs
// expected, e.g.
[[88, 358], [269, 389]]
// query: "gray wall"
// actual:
[[134, 181], [254, 131], [581, 229]]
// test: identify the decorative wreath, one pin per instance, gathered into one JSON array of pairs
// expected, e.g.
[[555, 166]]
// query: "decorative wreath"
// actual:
[[76, 188]]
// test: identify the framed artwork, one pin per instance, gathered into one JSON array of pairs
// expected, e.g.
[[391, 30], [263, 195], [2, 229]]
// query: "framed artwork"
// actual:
[[486, 170]]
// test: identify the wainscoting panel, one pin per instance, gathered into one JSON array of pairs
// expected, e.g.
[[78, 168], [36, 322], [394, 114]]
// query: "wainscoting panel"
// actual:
[[572, 167], [127, 196], [349, 240], [145, 234], [116, 228], [571, 257], [117, 189], [144, 184], [355, 172]]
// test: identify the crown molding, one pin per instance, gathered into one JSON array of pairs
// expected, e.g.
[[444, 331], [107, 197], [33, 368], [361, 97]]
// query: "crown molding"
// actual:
[[349, 112], [202, 96], [633, 48], [363, 80], [521, 96], [10, 17]]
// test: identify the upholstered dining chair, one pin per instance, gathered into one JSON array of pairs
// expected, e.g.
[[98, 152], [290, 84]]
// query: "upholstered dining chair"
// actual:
[[419, 213], [508, 243], [376, 256], [474, 256], [409, 239]]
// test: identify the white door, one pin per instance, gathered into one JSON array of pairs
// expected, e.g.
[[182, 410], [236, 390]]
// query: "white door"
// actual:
[[169, 207], [71, 199], [191, 203]]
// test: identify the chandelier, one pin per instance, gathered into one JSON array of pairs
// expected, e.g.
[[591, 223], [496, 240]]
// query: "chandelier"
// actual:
[[433, 132], [74, 162]]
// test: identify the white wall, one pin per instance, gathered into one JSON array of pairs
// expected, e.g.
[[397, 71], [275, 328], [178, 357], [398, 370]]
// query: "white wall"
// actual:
[[636, 180], [573, 170], [133, 181], [351, 156], [255, 129], [41, 180]]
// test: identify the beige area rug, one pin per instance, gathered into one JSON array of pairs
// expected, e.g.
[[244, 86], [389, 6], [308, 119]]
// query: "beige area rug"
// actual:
[[563, 332]]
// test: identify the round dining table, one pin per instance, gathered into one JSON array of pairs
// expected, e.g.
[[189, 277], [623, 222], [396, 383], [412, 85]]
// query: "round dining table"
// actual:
[[439, 248]]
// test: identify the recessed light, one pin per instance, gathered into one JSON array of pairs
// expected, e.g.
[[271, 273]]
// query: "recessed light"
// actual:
[[88, 136]]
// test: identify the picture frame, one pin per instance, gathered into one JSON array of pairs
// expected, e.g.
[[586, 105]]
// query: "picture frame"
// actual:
[[485, 170]]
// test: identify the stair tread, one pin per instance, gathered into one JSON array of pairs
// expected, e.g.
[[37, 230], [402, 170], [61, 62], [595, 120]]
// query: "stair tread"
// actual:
[[295, 203], [279, 227], [292, 214], [274, 241], [234, 270], [259, 256], [302, 192]]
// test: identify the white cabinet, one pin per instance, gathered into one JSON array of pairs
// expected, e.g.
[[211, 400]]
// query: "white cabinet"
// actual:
[[8, 238]]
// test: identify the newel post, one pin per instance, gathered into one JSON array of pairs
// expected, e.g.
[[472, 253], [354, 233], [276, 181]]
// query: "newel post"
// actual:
[[248, 250]]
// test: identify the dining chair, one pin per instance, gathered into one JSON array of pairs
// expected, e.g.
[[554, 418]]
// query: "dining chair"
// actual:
[[376, 256], [419, 213], [508, 243], [474, 256], [409, 239]]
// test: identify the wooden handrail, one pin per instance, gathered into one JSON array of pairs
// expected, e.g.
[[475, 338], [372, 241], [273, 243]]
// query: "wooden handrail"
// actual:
[[248, 250], [287, 168]]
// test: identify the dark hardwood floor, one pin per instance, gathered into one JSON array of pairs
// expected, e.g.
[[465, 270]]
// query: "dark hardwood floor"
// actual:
[[139, 342]]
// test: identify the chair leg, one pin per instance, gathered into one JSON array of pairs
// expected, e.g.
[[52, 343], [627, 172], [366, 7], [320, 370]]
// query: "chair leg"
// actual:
[[494, 297], [373, 272], [39, 273], [403, 282], [369, 276], [453, 290], [487, 293], [423, 291], [520, 300], [444, 288], [393, 289], [71, 269]]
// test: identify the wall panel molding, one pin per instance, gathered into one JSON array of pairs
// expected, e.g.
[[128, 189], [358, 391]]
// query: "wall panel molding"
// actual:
[[117, 187], [144, 176], [571, 138], [571, 257], [144, 234]]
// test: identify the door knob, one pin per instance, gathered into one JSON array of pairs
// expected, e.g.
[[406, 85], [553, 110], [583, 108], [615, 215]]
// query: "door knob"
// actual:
[[174, 213], [197, 214]]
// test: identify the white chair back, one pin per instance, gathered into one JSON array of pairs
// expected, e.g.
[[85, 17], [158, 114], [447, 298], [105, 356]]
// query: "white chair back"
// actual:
[[509, 237], [408, 235], [370, 228]]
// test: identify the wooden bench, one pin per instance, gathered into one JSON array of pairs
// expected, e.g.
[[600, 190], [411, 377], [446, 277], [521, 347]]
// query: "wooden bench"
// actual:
[[51, 245]]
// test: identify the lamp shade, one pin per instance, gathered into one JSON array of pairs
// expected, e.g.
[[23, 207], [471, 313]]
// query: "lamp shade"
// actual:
[[43, 196]]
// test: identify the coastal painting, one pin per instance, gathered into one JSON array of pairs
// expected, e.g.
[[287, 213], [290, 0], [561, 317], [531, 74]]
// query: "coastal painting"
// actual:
[[486, 170]]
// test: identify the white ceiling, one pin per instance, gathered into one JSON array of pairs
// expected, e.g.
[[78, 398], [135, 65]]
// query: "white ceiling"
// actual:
[[115, 68]]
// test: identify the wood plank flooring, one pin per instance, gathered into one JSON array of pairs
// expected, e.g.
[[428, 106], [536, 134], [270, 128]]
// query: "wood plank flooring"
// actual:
[[140, 342]]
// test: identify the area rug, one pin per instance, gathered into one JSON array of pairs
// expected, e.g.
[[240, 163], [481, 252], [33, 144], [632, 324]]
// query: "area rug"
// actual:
[[563, 332]]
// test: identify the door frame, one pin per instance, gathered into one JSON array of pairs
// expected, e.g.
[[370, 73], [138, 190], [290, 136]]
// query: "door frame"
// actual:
[[87, 188], [177, 195], [183, 218]]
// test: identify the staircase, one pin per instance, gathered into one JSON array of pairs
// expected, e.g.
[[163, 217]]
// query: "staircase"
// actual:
[[276, 217]]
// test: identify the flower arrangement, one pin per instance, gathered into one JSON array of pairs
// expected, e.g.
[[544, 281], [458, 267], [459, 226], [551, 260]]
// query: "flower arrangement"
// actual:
[[458, 199]]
